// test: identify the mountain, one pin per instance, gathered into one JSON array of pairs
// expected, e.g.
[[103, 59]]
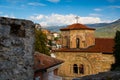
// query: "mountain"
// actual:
[[106, 30], [109, 30], [55, 28], [97, 25]]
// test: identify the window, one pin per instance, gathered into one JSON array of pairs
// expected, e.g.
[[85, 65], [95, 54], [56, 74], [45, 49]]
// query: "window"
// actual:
[[75, 68], [81, 69], [66, 41], [17, 30], [77, 42], [78, 69]]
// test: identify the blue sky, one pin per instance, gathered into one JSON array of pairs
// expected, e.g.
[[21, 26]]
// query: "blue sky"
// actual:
[[61, 12]]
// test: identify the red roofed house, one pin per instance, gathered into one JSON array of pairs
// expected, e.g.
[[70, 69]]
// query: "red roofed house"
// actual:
[[46, 67], [83, 53]]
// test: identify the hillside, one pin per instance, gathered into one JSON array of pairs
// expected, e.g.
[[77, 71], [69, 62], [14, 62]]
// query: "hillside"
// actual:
[[106, 30]]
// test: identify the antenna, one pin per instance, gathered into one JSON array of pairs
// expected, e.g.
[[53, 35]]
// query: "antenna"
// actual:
[[76, 19]]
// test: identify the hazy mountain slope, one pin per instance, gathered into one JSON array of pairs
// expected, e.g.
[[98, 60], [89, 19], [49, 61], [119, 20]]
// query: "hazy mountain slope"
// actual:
[[108, 30]]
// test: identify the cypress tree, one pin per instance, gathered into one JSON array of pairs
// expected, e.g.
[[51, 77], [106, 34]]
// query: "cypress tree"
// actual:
[[116, 52]]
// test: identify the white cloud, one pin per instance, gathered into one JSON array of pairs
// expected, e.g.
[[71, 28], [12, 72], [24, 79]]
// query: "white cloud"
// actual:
[[97, 9], [95, 15], [10, 16], [58, 19], [54, 1], [114, 6], [38, 17], [36, 4]]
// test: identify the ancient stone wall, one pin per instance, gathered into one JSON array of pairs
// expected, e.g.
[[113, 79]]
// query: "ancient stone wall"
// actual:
[[16, 49], [93, 63], [65, 39]]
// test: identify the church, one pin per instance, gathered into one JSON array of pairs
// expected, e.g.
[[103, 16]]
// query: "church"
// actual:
[[83, 53]]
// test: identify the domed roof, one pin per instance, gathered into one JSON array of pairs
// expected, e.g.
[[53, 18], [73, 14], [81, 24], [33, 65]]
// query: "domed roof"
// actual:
[[76, 26]]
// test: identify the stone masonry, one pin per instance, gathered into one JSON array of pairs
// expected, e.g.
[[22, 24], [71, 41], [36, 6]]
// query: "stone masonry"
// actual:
[[16, 49]]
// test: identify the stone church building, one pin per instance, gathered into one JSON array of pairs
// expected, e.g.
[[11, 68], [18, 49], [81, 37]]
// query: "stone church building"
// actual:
[[83, 53]]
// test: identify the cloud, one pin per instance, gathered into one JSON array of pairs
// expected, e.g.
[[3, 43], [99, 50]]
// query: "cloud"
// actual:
[[54, 1], [114, 6], [59, 20], [10, 16], [95, 15], [38, 17], [36, 4], [97, 9]]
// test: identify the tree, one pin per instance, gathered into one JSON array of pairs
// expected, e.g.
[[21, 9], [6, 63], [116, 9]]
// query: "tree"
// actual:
[[41, 42], [116, 65]]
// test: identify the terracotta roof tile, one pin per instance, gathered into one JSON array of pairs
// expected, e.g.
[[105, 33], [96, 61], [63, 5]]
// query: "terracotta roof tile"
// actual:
[[42, 61], [103, 45], [76, 26]]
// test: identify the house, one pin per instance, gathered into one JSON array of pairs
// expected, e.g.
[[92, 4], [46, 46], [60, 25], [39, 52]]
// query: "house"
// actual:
[[82, 52], [46, 67]]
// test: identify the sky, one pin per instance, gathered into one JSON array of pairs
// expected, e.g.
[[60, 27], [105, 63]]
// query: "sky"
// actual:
[[61, 12]]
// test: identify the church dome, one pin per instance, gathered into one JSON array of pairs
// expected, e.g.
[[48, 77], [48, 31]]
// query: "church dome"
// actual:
[[76, 26]]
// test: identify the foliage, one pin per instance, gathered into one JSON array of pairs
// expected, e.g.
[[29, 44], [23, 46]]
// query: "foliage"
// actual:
[[41, 42], [116, 65], [56, 38]]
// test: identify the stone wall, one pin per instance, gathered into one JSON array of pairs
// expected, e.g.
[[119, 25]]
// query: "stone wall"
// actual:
[[93, 63], [16, 49]]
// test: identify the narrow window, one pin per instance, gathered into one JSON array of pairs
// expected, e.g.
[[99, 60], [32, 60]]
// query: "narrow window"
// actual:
[[66, 41], [77, 42], [75, 68], [81, 69]]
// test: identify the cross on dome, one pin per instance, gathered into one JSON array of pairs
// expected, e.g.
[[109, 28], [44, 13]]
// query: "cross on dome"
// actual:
[[77, 18]]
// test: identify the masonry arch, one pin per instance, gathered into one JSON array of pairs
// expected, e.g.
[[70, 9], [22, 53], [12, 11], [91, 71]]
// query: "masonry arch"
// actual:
[[85, 67]]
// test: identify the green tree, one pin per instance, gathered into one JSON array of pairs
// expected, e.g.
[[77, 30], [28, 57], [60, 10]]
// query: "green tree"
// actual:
[[116, 65], [40, 42]]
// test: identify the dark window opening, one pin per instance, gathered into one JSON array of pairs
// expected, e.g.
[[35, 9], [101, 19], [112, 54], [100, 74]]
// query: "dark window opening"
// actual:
[[66, 42], [17, 30], [77, 43], [81, 69], [75, 68]]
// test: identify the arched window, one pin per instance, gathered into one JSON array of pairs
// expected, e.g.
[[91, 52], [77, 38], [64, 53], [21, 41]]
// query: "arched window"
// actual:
[[77, 43], [81, 69], [75, 68]]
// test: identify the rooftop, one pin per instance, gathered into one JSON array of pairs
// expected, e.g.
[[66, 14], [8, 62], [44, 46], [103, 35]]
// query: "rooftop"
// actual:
[[43, 62], [76, 26]]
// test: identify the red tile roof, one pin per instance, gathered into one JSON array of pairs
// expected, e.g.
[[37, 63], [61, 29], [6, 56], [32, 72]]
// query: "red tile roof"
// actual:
[[76, 26], [103, 45], [43, 62]]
